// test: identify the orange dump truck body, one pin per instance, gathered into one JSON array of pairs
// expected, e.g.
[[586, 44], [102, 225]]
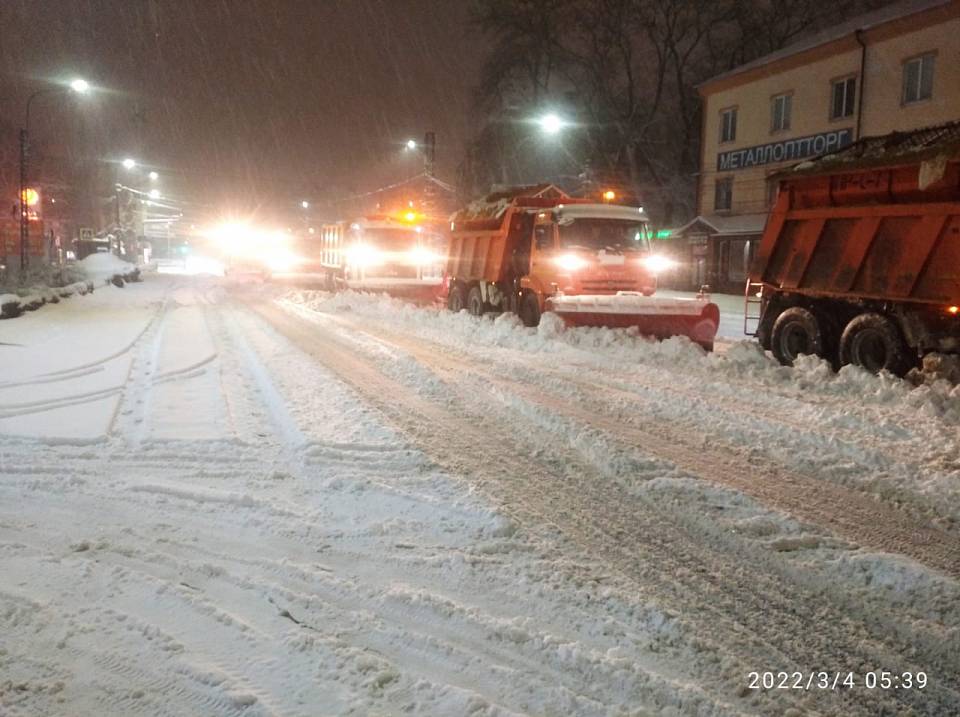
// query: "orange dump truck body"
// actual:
[[872, 233], [480, 247], [872, 229]]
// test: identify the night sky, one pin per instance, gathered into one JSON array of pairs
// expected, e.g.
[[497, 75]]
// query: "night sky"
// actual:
[[246, 101]]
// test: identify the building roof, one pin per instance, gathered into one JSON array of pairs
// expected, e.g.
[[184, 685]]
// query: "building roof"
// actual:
[[544, 189], [886, 14], [896, 148], [724, 225]]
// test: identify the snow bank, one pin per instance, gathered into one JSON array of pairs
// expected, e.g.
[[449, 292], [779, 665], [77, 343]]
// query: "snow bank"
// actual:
[[13, 305], [102, 266], [742, 361]]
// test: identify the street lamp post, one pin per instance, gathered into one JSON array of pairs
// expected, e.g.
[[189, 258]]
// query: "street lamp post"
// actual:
[[80, 87], [129, 164], [428, 149]]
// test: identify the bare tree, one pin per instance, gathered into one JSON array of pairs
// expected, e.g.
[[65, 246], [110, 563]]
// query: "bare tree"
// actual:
[[627, 70]]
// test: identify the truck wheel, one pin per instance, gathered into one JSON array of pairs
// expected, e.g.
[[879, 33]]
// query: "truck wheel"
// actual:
[[872, 341], [530, 309], [476, 306], [455, 301], [796, 331]]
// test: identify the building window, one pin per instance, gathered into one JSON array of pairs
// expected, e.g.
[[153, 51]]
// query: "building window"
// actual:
[[918, 79], [728, 125], [773, 188], [844, 93], [780, 112], [723, 194]]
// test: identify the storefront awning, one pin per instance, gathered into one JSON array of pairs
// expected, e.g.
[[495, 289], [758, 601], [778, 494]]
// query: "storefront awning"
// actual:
[[735, 225]]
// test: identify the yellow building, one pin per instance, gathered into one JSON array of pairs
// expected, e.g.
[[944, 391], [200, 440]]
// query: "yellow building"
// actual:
[[894, 69]]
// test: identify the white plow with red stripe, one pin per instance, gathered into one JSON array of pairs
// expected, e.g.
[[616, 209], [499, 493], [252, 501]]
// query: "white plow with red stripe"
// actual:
[[697, 318]]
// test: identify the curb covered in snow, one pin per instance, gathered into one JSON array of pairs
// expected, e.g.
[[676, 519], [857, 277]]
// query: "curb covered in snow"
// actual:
[[13, 305]]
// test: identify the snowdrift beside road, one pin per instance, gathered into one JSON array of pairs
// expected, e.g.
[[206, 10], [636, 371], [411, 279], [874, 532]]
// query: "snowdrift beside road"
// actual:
[[102, 267], [742, 361]]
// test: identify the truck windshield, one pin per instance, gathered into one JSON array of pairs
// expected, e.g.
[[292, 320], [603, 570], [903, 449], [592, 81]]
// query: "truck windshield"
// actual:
[[587, 233]]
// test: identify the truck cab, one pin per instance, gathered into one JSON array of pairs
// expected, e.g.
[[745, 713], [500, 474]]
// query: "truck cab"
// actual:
[[589, 249]]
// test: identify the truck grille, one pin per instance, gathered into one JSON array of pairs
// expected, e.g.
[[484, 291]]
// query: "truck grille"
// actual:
[[608, 286]]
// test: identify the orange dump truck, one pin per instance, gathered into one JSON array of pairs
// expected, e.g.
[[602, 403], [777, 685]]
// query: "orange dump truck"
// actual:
[[534, 249], [860, 259]]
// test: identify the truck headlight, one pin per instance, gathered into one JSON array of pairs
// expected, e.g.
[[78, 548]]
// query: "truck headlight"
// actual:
[[570, 262]]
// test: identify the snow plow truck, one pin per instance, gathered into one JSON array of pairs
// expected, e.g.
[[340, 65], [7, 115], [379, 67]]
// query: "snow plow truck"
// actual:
[[534, 249], [399, 255], [859, 262]]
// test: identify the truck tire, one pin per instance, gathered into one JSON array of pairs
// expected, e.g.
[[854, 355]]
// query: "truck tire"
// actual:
[[796, 331], [456, 301], [874, 342], [476, 306], [530, 309]]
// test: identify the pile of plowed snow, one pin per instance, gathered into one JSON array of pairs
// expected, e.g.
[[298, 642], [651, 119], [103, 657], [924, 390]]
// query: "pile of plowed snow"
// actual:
[[103, 266], [743, 362]]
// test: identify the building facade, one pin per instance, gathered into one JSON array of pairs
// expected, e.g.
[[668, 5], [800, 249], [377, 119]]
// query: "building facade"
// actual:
[[891, 70]]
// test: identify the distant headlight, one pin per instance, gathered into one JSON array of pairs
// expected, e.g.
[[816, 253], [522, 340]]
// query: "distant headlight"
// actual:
[[570, 262], [364, 255], [657, 263], [423, 257]]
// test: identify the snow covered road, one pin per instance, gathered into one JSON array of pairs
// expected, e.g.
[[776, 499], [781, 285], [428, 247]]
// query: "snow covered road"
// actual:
[[219, 499]]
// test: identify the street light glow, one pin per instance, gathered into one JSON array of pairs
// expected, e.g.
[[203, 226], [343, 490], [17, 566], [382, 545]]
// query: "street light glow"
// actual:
[[154, 176], [551, 123], [80, 86], [305, 204], [129, 163], [411, 144]]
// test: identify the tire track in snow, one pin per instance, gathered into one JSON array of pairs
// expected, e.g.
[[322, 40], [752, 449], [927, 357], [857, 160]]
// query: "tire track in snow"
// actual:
[[130, 418], [259, 394], [24, 408], [849, 513], [742, 602]]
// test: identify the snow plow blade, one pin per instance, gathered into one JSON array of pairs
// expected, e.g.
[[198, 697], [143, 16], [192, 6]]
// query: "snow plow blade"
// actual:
[[697, 319]]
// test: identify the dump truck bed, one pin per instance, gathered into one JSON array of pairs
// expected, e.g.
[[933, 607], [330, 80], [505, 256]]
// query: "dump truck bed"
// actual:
[[864, 229]]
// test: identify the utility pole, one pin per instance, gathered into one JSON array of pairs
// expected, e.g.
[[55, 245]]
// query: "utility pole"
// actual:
[[429, 152], [115, 244], [429, 158], [24, 216]]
